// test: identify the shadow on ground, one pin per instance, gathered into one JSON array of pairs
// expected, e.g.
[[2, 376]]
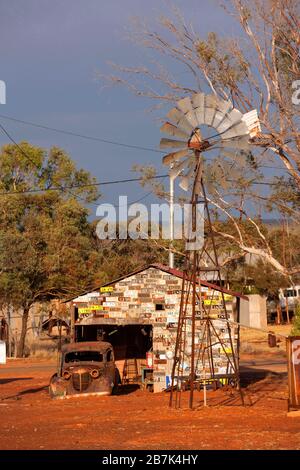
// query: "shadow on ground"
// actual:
[[13, 379], [250, 375], [28, 391], [126, 389]]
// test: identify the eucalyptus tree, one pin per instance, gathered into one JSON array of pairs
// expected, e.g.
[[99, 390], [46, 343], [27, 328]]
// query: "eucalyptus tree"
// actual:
[[46, 245]]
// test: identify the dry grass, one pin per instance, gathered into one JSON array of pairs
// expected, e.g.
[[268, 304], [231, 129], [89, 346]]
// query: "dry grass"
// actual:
[[254, 335], [256, 342], [46, 349]]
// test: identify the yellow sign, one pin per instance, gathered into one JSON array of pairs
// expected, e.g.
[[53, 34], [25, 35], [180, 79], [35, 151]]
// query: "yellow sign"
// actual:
[[227, 297], [213, 316], [226, 350], [216, 300], [89, 309], [224, 381], [106, 289], [211, 302]]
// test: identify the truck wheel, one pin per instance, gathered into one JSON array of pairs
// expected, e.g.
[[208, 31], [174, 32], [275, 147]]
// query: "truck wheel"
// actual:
[[51, 392], [117, 381]]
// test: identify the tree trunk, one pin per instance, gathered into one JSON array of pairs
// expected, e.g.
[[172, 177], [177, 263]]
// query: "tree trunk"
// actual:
[[287, 310], [21, 343], [279, 314]]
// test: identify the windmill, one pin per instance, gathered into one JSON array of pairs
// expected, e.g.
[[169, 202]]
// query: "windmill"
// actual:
[[201, 124]]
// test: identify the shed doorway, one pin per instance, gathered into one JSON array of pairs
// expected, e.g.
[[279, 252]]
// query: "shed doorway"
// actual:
[[128, 341], [131, 343]]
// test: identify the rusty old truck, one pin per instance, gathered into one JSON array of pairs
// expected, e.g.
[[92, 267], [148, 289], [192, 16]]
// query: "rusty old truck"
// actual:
[[85, 368]]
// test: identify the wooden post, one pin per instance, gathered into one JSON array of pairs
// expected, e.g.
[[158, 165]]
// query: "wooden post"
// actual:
[[238, 318]]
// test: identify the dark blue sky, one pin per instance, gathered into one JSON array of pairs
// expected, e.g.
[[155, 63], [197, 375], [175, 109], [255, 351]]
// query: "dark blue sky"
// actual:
[[51, 52]]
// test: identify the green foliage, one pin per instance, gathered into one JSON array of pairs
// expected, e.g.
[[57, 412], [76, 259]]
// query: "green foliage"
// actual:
[[285, 243], [257, 278], [296, 322], [285, 195], [45, 241], [24, 167], [226, 66]]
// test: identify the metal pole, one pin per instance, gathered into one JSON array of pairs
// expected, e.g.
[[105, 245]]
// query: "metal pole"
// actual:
[[171, 254], [72, 325], [204, 389], [194, 277]]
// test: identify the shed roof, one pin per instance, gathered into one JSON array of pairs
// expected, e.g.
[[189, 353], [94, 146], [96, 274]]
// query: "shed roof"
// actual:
[[173, 271]]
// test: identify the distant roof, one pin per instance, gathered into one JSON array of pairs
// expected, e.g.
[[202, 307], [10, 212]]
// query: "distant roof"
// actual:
[[173, 271], [54, 319]]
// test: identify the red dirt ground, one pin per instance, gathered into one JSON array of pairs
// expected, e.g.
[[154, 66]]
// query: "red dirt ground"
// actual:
[[136, 419]]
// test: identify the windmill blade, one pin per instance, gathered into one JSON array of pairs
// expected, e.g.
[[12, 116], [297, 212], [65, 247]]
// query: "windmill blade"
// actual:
[[231, 172], [234, 156], [252, 122], [229, 154], [198, 100], [170, 129], [219, 174], [211, 102], [198, 105], [241, 143], [185, 181], [176, 169], [191, 117], [167, 143], [249, 124], [175, 156], [218, 118], [224, 107], [238, 129], [185, 105], [230, 119], [180, 120], [175, 115], [234, 128]]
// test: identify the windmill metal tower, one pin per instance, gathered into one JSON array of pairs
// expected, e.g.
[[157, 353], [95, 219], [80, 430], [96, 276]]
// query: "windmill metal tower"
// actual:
[[199, 343]]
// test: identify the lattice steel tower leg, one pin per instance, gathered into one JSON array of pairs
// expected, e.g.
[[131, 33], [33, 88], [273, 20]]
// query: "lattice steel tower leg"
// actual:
[[195, 323]]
